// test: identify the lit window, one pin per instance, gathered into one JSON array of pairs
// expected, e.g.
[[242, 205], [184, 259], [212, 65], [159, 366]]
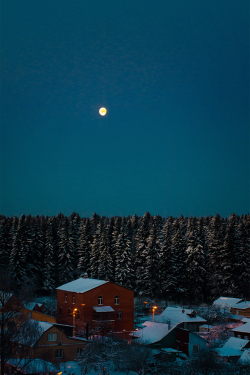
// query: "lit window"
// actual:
[[52, 336], [66, 298], [73, 300], [69, 312], [78, 315], [116, 300], [60, 311], [100, 300], [119, 314], [59, 353]]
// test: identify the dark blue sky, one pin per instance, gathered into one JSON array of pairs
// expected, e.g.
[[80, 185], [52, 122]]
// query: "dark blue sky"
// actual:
[[174, 77]]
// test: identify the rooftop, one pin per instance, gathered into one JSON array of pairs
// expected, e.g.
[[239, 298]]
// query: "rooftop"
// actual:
[[242, 305], [227, 301], [152, 333], [81, 285], [233, 347], [177, 315], [243, 328]]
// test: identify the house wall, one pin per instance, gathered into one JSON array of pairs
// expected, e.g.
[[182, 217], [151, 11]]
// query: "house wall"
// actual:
[[243, 312], [84, 302], [182, 340], [31, 314], [46, 350], [195, 340], [169, 341], [242, 335]]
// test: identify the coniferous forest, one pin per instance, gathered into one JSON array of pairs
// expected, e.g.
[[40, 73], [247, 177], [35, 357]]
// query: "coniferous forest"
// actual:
[[198, 258]]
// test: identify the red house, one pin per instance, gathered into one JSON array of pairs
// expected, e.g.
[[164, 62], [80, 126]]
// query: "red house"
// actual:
[[98, 303]]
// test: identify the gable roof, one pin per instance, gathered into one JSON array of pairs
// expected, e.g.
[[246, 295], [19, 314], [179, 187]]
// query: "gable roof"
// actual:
[[176, 316], [242, 305], [232, 348], [152, 333], [227, 301], [243, 328], [81, 285]]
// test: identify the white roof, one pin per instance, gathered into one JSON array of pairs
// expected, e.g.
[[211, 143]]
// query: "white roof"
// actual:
[[243, 328], [82, 285], [103, 309], [245, 357], [233, 347], [37, 332], [152, 333], [30, 305], [176, 316], [242, 305], [227, 301]]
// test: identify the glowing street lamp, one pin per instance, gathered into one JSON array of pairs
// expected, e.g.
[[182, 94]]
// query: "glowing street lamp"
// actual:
[[74, 321], [154, 308]]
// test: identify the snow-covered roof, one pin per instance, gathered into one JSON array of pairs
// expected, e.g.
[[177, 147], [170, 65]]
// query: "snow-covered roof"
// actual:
[[82, 285], [243, 328], [103, 309], [227, 301], [245, 357], [233, 347], [176, 316], [30, 305], [242, 305], [32, 330], [152, 333]]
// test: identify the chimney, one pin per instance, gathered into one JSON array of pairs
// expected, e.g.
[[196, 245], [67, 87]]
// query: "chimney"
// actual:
[[85, 275], [183, 310]]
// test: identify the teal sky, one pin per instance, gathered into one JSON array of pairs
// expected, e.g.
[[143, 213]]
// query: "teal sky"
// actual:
[[174, 77]]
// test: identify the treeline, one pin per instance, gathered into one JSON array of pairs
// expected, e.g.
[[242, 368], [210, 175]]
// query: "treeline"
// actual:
[[161, 258]]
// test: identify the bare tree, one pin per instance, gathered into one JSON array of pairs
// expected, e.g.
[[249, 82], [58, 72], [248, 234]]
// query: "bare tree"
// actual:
[[17, 335]]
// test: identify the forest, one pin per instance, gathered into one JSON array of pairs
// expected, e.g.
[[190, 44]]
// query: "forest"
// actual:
[[168, 258]]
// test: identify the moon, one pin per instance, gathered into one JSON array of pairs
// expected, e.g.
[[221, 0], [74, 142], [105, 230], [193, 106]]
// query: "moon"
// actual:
[[102, 111]]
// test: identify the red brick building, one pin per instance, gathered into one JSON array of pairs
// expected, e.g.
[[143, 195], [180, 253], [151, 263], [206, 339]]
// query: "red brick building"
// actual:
[[98, 303]]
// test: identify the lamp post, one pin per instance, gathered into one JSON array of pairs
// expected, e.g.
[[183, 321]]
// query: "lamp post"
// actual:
[[154, 308], [74, 322]]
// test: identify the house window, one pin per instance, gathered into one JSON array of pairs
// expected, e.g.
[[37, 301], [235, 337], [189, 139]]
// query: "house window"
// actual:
[[59, 353], [195, 348], [239, 336], [73, 300], [78, 315], [116, 300], [100, 300], [69, 312], [60, 311], [52, 336], [66, 298], [119, 314], [246, 338], [79, 351]]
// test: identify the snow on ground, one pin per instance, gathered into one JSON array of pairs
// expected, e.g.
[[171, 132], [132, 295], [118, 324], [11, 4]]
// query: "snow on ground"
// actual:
[[66, 368]]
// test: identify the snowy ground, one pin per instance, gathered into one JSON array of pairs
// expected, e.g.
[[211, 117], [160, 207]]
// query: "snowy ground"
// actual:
[[65, 368]]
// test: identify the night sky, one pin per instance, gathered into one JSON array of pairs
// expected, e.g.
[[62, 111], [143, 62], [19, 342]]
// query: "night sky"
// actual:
[[174, 77]]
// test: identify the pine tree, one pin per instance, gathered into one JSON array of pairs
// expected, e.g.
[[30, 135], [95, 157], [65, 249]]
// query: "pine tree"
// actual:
[[66, 253], [105, 261], [124, 272], [84, 245], [95, 251], [50, 278], [179, 259]]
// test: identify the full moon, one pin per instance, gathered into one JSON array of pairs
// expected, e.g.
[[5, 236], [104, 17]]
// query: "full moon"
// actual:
[[102, 111]]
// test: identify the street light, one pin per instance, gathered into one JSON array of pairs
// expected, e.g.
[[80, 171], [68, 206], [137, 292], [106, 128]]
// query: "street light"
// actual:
[[74, 322], [154, 308]]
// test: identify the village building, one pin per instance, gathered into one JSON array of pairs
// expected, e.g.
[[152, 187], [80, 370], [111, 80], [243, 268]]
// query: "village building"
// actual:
[[175, 328], [53, 343], [241, 308], [95, 304], [233, 349], [243, 331]]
